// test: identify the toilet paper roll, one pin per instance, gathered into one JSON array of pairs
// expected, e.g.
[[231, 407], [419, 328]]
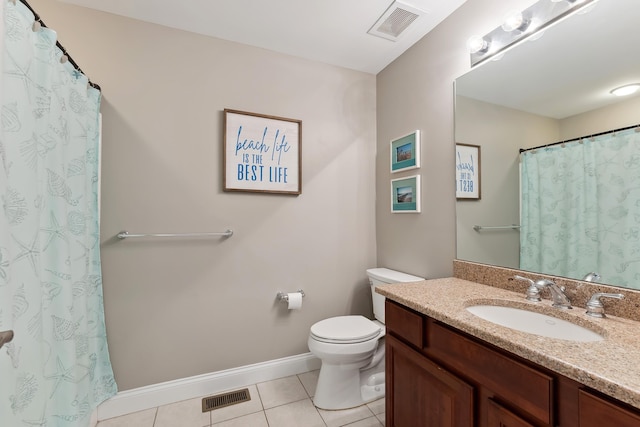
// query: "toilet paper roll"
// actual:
[[295, 301]]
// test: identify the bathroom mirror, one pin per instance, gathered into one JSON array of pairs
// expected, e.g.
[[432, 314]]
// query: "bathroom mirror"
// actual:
[[554, 88]]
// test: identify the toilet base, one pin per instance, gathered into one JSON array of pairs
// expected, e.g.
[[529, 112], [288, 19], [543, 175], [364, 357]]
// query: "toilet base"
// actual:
[[347, 386]]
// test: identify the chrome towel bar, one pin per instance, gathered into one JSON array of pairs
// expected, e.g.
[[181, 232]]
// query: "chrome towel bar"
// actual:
[[125, 234], [499, 227]]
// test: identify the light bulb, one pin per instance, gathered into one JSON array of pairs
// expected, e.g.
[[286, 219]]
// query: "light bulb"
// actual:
[[477, 44], [514, 20]]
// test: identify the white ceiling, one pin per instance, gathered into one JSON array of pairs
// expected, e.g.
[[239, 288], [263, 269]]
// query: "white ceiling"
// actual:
[[329, 31]]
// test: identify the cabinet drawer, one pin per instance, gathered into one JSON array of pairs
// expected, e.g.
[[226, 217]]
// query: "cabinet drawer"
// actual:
[[404, 323], [597, 412], [525, 387]]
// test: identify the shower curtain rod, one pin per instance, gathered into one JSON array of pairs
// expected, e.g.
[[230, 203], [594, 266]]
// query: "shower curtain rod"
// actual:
[[64, 51], [522, 150]]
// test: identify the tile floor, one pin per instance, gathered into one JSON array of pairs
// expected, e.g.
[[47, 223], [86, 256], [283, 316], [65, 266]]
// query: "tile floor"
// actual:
[[285, 402]]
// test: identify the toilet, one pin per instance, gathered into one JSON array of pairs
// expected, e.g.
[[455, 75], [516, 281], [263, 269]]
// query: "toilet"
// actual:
[[351, 349]]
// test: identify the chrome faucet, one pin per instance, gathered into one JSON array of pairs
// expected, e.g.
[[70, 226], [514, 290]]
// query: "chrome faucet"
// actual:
[[560, 300]]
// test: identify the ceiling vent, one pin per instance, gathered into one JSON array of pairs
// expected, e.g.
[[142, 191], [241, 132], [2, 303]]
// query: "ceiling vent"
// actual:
[[395, 20]]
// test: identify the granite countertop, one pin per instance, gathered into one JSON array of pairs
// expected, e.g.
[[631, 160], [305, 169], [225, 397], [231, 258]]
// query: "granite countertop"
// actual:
[[611, 366]]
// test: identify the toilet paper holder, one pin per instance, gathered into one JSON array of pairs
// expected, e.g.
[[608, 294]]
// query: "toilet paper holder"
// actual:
[[284, 296]]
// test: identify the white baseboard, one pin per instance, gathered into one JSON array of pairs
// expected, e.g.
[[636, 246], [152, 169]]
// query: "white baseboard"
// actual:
[[154, 395]]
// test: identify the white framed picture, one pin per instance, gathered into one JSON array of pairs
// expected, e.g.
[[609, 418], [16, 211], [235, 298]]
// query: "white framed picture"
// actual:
[[405, 152], [405, 194]]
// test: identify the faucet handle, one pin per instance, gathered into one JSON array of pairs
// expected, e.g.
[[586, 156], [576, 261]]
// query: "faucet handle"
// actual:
[[533, 292], [592, 277], [595, 307]]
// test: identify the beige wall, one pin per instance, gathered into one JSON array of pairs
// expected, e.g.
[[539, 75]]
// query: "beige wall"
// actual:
[[500, 132], [185, 307], [416, 92], [603, 119]]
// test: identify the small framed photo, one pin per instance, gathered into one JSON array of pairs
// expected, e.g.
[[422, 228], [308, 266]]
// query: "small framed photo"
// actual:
[[467, 171], [405, 152], [405, 194]]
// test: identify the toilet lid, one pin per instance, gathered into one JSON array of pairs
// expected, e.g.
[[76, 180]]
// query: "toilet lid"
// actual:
[[345, 330]]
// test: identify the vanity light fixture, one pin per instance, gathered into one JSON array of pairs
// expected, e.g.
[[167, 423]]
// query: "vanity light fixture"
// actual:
[[519, 26], [626, 89]]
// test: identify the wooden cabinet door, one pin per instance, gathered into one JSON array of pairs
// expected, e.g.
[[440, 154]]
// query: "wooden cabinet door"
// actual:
[[421, 393], [597, 412], [498, 416]]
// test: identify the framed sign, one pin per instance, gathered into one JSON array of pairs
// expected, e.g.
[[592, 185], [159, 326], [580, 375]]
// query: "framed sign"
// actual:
[[405, 194], [405, 152], [467, 171], [262, 154]]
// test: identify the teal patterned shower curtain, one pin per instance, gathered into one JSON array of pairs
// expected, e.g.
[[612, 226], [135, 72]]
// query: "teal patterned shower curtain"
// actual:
[[581, 208], [57, 369]]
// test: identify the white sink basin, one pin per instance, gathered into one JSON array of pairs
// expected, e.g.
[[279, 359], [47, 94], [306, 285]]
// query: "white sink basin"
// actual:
[[534, 323]]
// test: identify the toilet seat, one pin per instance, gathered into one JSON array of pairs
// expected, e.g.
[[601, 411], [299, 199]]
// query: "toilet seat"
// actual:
[[345, 330]]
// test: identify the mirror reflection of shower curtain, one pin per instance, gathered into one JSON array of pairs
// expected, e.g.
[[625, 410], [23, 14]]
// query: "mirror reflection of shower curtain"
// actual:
[[57, 368], [581, 208]]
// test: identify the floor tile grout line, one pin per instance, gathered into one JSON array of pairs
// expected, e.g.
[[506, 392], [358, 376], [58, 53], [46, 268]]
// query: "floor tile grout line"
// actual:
[[259, 396], [243, 415], [303, 387], [311, 399], [320, 415]]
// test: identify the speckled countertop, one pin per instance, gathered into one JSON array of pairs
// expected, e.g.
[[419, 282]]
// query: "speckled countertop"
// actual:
[[611, 366]]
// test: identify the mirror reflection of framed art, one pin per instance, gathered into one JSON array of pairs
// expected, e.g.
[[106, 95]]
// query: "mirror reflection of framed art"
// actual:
[[467, 171]]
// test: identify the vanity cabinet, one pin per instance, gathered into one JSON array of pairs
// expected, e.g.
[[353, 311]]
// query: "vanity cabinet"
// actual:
[[597, 411], [438, 376], [425, 394]]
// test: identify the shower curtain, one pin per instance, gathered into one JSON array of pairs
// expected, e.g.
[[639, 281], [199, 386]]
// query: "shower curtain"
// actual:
[[57, 369], [581, 208]]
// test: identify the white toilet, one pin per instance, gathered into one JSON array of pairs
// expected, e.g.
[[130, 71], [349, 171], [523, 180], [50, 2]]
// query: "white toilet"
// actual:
[[351, 349]]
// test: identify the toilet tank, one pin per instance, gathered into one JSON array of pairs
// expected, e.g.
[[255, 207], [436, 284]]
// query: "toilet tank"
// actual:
[[384, 276]]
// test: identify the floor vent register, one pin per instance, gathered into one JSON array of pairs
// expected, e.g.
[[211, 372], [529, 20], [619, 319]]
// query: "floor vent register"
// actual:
[[225, 399]]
